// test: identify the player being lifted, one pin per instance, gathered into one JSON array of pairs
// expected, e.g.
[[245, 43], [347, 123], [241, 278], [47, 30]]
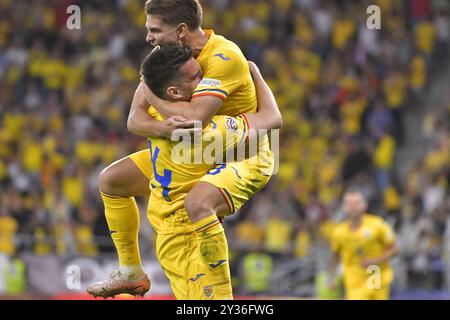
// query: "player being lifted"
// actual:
[[227, 89]]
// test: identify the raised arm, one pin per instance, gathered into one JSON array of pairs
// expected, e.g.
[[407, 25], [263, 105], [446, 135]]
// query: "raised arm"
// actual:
[[205, 107], [142, 124], [268, 115], [199, 108], [223, 76]]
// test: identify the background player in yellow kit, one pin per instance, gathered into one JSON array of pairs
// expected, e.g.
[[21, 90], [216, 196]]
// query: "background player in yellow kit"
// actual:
[[364, 243], [227, 89]]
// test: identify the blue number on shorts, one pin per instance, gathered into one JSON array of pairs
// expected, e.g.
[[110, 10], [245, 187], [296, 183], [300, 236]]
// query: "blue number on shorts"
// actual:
[[217, 170], [165, 179]]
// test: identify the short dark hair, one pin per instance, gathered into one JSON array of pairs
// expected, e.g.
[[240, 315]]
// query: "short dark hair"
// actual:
[[161, 66], [174, 12]]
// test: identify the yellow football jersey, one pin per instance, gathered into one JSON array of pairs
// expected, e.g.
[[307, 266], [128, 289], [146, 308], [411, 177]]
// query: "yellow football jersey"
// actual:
[[226, 75], [177, 166], [369, 241]]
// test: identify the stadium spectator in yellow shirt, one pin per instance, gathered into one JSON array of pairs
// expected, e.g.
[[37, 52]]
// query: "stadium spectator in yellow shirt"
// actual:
[[8, 229]]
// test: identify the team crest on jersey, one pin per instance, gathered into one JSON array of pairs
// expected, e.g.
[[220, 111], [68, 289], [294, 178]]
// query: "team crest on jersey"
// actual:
[[231, 124], [208, 82], [367, 234], [208, 291]]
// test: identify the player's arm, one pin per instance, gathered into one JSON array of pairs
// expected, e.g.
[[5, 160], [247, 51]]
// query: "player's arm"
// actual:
[[391, 251], [387, 237], [268, 115], [143, 124], [335, 259], [334, 265], [198, 109]]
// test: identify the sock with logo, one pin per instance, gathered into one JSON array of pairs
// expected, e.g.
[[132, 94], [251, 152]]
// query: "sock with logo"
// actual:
[[122, 216], [211, 239], [213, 254]]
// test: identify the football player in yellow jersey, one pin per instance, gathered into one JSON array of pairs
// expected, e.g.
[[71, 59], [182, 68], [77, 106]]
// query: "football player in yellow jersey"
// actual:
[[226, 79], [197, 270], [364, 243]]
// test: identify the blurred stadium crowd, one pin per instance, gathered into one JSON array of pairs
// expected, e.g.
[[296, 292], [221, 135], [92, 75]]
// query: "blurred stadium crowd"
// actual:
[[343, 90]]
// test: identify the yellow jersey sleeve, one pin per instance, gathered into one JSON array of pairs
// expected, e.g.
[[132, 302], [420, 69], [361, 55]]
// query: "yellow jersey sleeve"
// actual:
[[335, 242], [222, 75], [386, 234]]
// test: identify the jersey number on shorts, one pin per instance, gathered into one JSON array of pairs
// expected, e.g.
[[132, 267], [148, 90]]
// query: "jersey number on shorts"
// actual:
[[217, 169], [163, 180]]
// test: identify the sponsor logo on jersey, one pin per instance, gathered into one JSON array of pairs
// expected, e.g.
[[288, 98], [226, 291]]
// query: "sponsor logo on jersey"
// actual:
[[210, 82]]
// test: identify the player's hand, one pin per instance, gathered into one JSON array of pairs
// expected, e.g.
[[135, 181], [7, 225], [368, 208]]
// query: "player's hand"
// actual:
[[173, 123], [180, 124], [254, 70]]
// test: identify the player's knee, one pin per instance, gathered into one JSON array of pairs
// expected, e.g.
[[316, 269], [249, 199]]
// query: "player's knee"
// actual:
[[196, 206], [108, 182]]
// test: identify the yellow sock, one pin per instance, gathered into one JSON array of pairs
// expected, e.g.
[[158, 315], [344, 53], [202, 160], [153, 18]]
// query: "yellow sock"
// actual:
[[211, 239], [122, 215], [212, 244]]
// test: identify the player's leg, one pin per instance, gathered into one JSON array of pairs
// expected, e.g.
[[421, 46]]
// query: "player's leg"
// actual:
[[188, 277], [358, 291], [209, 263], [172, 251], [204, 200], [363, 292], [119, 183], [208, 281], [210, 257], [223, 190], [128, 177]]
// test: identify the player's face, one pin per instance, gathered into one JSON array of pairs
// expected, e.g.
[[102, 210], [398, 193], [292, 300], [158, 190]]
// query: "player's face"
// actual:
[[160, 33], [190, 75], [354, 204]]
